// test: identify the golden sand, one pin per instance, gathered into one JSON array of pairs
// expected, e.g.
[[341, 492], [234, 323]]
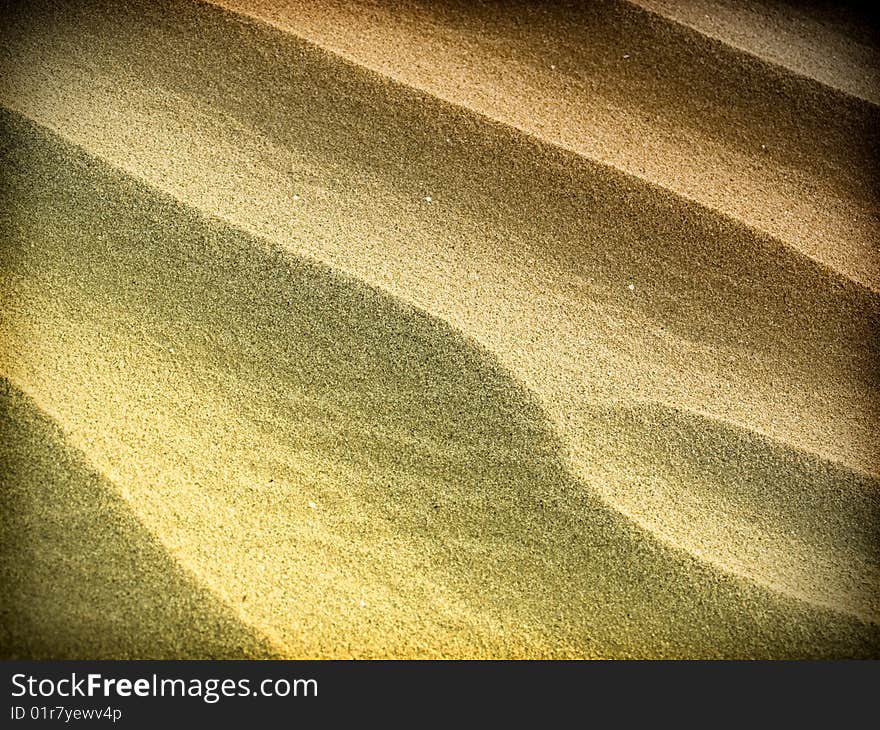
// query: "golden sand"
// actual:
[[378, 363]]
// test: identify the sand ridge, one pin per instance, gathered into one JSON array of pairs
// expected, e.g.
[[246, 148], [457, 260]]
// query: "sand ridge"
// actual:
[[651, 97], [714, 333], [120, 596], [835, 44], [400, 509]]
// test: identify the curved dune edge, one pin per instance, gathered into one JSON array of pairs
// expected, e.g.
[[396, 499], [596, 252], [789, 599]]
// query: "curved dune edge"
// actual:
[[801, 526], [834, 48], [179, 411], [80, 575], [730, 133], [728, 352], [730, 545], [840, 580], [314, 164]]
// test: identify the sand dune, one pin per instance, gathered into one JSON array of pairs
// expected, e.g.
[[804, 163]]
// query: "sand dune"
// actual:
[[832, 43], [435, 385], [334, 447], [785, 155], [80, 575]]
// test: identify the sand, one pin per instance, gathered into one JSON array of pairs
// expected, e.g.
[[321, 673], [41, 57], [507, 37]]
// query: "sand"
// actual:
[[349, 343]]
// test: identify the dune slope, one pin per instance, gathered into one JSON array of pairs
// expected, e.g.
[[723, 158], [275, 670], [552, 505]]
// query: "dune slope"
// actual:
[[588, 285], [375, 485], [81, 576], [780, 151], [834, 43], [436, 382]]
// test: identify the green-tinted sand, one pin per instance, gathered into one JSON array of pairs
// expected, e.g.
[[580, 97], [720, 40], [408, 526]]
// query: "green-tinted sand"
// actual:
[[529, 351], [347, 475], [81, 576]]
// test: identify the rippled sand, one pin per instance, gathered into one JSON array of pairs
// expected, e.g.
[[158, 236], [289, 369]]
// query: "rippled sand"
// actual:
[[439, 330]]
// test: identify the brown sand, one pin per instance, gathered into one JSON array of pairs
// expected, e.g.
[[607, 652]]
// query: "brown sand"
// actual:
[[773, 149], [608, 409], [832, 43]]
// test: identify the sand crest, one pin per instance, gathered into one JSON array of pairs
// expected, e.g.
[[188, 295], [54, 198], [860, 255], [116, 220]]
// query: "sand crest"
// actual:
[[435, 331]]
